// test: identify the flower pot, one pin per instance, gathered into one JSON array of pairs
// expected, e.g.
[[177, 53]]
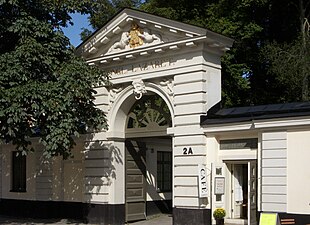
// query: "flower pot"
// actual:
[[220, 221]]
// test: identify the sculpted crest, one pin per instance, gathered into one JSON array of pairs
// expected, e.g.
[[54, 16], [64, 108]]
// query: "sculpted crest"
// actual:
[[134, 38]]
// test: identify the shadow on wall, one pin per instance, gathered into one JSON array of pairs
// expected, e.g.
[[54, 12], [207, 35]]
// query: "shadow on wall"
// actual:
[[99, 164], [158, 202], [162, 201], [58, 188], [101, 160]]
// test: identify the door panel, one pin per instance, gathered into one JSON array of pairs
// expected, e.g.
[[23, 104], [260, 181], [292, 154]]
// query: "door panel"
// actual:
[[237, 190], [252, 186], [135, 180]]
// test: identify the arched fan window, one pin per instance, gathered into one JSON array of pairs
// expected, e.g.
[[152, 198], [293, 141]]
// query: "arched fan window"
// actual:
[[150, 112]]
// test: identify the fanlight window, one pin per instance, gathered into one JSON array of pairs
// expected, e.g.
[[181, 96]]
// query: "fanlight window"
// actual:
[[149, 112]]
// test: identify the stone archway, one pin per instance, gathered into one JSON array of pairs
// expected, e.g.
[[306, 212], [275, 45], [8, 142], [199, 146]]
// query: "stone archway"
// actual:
[[133, 126], [148, 164], [123, 103]]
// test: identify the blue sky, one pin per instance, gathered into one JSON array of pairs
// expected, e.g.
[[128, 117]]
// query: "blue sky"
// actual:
[[73, 32]]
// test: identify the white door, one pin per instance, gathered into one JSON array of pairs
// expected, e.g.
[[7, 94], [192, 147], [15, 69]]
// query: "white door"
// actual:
[[237, 188], [252, 175]]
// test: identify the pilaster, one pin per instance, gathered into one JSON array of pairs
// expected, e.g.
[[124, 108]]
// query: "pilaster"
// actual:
[[189, 150], [194, 93]]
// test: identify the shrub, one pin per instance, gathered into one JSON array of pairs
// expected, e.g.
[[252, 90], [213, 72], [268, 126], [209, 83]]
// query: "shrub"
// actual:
[[219, 213]]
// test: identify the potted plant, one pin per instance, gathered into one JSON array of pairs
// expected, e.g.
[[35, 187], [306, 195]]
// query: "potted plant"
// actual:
[[219, 215]]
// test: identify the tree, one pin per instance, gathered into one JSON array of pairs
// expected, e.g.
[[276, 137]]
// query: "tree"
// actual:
[[101, 11], [240, 20], [288, 61], [254, 71], [249, 68], [45, 90]]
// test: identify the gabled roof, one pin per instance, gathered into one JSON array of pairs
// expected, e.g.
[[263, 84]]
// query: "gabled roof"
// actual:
[[259, 112], [159, 30]]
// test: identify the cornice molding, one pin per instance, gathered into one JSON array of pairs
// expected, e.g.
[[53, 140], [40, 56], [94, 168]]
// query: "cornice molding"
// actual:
[[142, 52], [119, 23], [258, 125]]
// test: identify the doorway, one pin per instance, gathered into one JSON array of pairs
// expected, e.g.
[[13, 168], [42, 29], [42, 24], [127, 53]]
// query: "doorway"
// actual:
[[243, 192], [135, 187], [148, 165], [148, 177], [239, 191]]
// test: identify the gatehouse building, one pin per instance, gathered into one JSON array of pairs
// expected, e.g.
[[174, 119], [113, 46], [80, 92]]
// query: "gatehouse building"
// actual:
[[169, 147]]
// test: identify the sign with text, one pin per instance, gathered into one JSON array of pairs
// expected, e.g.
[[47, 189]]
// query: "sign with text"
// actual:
[[202, 181], [269, 219], [187, 151], [219, 186], [140, 67]]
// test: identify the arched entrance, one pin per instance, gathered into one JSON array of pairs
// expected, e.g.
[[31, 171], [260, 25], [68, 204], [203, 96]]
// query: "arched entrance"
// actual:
[[148, 154]]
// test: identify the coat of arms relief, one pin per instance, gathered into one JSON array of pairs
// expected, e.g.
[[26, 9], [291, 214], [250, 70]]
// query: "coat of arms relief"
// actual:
[[134, 38]]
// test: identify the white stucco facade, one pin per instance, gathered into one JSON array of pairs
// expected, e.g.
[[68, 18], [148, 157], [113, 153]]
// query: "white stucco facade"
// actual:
[[297, 173], [281, 157]]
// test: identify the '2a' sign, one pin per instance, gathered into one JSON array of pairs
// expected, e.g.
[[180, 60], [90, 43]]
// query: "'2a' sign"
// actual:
[[187, 151]]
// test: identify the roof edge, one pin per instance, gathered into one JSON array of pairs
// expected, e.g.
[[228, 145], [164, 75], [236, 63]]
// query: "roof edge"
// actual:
[[204, 31]]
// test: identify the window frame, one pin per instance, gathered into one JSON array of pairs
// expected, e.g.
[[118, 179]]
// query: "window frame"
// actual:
[[19, 172], [161, 162]]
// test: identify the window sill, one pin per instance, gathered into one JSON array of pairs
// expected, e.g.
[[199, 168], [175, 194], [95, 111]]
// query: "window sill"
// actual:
[[20, 191], [160, 191]]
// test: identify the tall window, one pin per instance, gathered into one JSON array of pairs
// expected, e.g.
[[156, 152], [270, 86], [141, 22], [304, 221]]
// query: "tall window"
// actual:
[[18, 172], [164, 171]]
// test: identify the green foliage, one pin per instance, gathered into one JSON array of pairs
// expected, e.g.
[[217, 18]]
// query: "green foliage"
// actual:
[[283, 65], [249, 73], [182, 10], [237, 19], [45, 90], [101, 11], [219, 213], [289, 64], [85, 34]]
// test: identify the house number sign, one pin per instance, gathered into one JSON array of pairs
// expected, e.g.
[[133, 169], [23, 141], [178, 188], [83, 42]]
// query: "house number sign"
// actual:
[[187, 151]]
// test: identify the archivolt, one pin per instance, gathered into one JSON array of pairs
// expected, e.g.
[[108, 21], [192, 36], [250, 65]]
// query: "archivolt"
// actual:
[[123, 103]]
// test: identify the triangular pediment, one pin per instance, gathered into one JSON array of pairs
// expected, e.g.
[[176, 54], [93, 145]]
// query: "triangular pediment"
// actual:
[[131, 30]]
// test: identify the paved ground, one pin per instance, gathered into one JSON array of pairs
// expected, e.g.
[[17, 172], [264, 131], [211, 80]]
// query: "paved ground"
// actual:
[[156, 220], [28, 221], [165, 219]]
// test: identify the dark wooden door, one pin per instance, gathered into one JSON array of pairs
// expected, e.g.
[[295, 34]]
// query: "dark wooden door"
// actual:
[[135, 181]]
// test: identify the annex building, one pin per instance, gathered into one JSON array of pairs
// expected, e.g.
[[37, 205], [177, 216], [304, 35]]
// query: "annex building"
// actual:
[[169, 148]]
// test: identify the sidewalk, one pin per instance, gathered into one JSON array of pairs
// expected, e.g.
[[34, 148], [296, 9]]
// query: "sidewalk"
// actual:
[[157, 220], [30, 221], [164, 219]]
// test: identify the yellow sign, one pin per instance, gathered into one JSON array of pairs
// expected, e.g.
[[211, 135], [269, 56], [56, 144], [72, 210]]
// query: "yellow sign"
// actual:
[[268, 219]]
